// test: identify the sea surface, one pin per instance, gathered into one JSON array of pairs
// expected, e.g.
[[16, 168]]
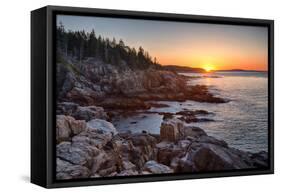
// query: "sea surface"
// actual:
[[242, 122]]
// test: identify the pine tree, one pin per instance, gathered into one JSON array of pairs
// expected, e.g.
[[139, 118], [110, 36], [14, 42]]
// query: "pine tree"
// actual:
[[81, 45]]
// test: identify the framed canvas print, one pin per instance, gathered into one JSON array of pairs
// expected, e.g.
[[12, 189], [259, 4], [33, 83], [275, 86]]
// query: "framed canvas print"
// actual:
[[125, 96]]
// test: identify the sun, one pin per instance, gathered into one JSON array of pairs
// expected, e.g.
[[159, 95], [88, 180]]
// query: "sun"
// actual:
[[208, 67]]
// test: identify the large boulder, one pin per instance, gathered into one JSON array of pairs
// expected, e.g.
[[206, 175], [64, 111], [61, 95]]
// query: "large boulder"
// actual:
[[209, 157], [77, 153], [102, 126], [156, 168], [214, 157], [66, 170], [81, 112], [93, 137], [189, 149], [67, 126], [169, 129], [174, 129]]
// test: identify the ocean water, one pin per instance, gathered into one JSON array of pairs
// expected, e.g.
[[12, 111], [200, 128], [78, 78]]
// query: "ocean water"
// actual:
[[242, 122]]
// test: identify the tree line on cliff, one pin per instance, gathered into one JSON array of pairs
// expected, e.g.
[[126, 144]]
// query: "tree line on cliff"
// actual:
[[82, 45]]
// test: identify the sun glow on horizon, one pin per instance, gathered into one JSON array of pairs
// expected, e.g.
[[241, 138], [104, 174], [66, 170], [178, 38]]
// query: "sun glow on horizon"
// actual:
[[198, 45], [208, 67]]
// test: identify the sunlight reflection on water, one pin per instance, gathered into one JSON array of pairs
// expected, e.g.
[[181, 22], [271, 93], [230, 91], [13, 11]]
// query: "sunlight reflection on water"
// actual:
[[242, 122]]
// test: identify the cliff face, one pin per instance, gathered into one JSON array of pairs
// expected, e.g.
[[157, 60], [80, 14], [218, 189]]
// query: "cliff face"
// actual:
[[92, 82]]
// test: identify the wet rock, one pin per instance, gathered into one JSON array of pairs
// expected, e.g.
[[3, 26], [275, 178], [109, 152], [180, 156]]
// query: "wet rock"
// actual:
[[193, 112], [200, 93], [208, 158], [156, 168], [191, 131], [211, 140], [212, 157], [201, 112], [189, 116]]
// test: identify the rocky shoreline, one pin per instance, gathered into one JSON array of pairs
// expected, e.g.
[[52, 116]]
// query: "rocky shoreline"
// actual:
[[91, 93], [92, 147], [96, 83]]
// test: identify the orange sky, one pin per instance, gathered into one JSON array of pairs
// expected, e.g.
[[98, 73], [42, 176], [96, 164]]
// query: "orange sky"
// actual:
[[211, 46], [220, 55], [244, 48]]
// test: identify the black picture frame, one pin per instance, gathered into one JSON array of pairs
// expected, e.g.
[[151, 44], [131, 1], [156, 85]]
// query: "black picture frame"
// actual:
[[43, 93]]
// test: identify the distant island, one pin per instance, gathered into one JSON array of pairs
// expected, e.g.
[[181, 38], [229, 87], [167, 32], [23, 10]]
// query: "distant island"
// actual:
[[231, 70], [187, 69]]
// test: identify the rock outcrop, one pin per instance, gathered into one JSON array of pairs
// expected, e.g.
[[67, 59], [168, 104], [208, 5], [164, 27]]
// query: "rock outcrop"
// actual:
[[67, 126], [193, 149], [81, 112], [96, 149], [93, 82]]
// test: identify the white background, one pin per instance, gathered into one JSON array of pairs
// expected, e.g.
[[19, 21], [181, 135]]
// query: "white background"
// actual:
[[15, 95]]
